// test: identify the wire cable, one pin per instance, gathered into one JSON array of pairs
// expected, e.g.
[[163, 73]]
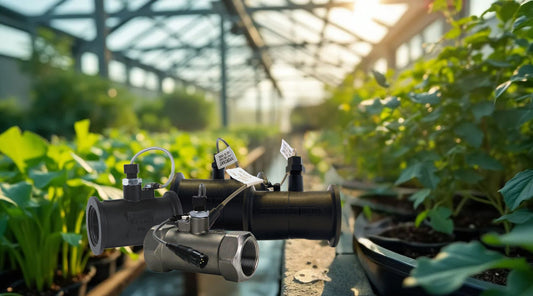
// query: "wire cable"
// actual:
[[215, 213], [173, 168]]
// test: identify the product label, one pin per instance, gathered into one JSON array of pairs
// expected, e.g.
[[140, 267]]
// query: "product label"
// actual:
[[286, 149], [225, 158], [243, 176]]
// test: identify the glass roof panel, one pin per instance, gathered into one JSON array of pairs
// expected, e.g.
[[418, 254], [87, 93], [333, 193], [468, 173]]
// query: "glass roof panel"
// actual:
[[77, 6], [83, 28], [28, 7], [340, 51]]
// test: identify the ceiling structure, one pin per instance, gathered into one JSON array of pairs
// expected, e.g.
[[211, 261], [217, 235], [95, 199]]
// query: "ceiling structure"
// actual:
[[224, 47]]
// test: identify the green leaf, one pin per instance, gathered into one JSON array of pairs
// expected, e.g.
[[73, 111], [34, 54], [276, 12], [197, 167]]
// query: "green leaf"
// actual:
[[482, 109], [454, 264], [380, 79], [518, 189], [519, 236], [440, 219], [105, 192], [523, 74], [423, 171], [419, 197], [425, 98], [84, 139], [469, 176], [484, 161], [374, 107], [21, 147], [470, 133], [420, 218], [42, 179], [519, 283], [19, 193], [506, 10], [524, 16], [391, 102], [519, 216], [500, 89], [84, 164], [72, 239]]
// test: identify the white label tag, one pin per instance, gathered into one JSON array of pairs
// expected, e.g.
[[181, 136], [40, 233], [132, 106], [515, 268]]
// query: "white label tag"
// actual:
[[225, 158], [243, 176], [286, 149]]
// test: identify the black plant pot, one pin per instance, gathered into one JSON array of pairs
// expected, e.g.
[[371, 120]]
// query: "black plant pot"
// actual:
[[106, 266], [389, 203], [386, 269]]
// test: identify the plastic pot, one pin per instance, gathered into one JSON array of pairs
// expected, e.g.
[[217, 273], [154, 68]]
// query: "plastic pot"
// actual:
[[387, 269]]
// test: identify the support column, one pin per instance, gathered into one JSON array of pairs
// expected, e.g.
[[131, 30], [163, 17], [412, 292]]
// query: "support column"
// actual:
[[258, 109], [223, 73], [100, 40]]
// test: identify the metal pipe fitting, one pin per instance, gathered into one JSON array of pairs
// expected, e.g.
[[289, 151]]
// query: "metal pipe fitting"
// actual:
[[233, 255]]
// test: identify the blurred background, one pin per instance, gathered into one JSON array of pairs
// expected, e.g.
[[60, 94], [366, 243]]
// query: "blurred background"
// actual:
[[197, 64]]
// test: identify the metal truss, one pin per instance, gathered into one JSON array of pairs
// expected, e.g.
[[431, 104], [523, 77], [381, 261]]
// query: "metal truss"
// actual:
[[210, 65]]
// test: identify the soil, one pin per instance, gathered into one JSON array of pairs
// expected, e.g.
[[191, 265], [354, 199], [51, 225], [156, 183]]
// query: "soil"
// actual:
[[497, 276], [422, 234], [59, 282]]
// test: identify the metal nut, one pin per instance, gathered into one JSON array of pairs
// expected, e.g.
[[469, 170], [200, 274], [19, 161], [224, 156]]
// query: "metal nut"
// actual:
[[238, 256]]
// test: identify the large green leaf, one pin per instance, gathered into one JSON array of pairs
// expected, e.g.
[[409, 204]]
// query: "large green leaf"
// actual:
[[21, 147], [72, 239], [524, 16], [520, 236], [84, 139], [42, 179], [519, 283], [19, 193], [484, 161], [454, 264], [439, 219], [470, 133], [423, 171], [519, 216], [518, 189]]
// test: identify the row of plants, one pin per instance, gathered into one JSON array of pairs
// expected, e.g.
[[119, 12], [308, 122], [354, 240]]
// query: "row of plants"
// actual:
[[45, 185], [456, 127]]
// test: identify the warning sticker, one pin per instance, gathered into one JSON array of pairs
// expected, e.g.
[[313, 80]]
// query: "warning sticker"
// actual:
[[286, 149], [225, 158], [243, 176]]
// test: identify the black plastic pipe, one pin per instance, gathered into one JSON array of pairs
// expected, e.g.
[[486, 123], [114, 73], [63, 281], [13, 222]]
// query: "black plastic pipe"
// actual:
[[268, 214], [121, 222]]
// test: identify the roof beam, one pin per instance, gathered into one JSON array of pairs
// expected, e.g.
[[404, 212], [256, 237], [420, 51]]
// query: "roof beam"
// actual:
[[254, 39], [211, 46], [21, 22], [205, 11]]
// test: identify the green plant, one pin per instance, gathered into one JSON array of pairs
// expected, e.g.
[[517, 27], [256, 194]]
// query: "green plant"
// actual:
[[188, 111], [456, 262], [45, 186], [460, 122]]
